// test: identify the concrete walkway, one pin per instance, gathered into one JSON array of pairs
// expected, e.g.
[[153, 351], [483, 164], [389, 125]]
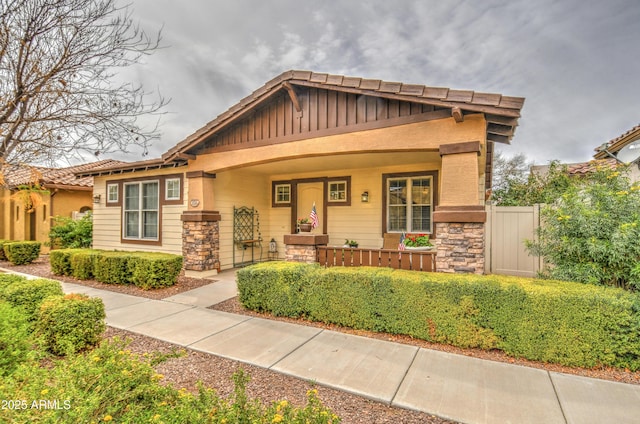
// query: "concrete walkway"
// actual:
[[456, 387]]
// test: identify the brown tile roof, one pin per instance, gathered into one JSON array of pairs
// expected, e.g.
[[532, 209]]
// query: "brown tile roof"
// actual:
[[504, 110], [587, 167], [16, 175]]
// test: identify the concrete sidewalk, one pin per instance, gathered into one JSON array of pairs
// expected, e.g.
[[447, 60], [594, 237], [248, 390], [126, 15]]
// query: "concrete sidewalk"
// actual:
[[456, 387]]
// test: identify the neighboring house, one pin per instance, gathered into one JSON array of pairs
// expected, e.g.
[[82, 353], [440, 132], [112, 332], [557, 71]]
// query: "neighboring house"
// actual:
[[625, 149], [60, 193], [375, 157]]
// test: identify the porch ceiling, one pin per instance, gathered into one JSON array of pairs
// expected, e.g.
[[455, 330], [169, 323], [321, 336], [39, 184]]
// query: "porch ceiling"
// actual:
[[313, 165]]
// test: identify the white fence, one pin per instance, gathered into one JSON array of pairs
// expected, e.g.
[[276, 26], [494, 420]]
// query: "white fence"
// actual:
[[507, 229]]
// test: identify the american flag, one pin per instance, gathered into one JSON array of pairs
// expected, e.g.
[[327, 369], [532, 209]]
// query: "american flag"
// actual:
[[401, 245], [314, 216]]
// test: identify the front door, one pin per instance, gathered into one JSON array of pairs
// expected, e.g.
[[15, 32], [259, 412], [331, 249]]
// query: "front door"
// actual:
[[307, 195]]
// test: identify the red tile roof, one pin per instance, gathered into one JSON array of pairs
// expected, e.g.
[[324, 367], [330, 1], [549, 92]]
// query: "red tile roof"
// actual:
[[16, 175]]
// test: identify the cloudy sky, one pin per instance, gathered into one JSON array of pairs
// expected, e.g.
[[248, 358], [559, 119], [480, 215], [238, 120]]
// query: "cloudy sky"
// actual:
[[576, 62]]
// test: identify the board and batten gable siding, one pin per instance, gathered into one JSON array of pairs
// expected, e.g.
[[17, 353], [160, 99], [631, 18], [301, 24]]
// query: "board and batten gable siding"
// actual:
[[107, 221], [321, 110]]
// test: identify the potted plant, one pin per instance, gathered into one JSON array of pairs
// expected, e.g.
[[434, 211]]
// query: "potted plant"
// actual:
[[417, 242], [350, 243], [304, 225]]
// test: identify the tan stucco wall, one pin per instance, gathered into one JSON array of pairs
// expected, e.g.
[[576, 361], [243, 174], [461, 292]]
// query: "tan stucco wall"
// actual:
[[360, 221], [107, 221], [429, 135]]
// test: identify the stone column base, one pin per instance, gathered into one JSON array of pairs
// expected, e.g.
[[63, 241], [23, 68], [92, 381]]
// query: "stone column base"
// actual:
[[201, 242], [303, 247], [460, 247]]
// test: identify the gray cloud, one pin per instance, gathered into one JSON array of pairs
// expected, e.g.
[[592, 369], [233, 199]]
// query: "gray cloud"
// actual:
[[576, 63]]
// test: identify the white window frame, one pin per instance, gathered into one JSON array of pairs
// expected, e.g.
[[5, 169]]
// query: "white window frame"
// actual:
[[409, 205], [335, 190], [166, 189], [277, 201], [109, 192], [140, 211]]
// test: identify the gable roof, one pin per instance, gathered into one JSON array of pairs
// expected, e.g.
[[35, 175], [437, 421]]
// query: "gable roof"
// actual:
[[16, 175], [502, 112], [615, 145]]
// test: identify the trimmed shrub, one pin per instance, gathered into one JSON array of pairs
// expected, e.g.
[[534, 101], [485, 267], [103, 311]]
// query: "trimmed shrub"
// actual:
[[82, 263], [71, 323], [154, 270], [112, 268], [561, 322], [22, 252], [28, 295], [60, 260], [3, 257], [14, 338]]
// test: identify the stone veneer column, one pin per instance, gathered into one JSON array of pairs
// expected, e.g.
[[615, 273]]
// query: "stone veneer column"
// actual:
[[201, 242], [303, 247], [460, 238]]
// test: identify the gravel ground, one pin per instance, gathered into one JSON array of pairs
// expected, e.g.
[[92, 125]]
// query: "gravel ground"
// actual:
[[267, 385]]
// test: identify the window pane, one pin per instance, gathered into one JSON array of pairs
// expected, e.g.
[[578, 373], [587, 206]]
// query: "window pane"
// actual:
[[397, 218], [112, 193], [131, 201], [421, 219], [150, 196], [150, 225], [131, 228], [421, 191], [398, 192], [283, 193], [173, 189]]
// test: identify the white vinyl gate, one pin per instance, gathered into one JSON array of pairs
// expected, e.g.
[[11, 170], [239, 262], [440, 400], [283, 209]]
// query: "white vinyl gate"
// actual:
[[507, 229]]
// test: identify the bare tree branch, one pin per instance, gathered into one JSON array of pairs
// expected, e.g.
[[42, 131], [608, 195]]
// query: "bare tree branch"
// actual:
[[59, 60]]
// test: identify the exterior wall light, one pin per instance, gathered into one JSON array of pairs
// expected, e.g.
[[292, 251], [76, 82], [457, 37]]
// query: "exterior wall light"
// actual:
[[96, 198], [364, 197]]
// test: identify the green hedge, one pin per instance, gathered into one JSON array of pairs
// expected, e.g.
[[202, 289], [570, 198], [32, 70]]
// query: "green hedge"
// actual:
[[21, 252], [3, 257], [559, 322], [147, 270], [71, 323]]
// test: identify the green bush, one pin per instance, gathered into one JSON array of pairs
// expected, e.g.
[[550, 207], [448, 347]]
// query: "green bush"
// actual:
[[147, 270], [71, 323], [561, 322], [590, 233], [110, 383], [71, 233], [60, 260], [3, 257], [28, 295], [22, 252], [82, 263], [112, 268], [154, 270], [14, 339], [7, 279]]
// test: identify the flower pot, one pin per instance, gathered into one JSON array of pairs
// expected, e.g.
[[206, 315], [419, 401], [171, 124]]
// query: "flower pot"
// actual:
[[419, 248], [305, 228]]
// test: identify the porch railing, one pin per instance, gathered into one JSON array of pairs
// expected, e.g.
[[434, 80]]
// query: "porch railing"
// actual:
[[406, 259]]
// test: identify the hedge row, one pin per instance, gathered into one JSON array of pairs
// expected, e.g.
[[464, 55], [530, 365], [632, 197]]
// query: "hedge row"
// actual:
[[560, 322], [63, 324], [146, 270], [19, 252]]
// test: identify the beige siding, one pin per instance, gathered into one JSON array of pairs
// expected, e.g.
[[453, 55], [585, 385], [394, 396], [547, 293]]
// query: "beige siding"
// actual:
[[107, 226]]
